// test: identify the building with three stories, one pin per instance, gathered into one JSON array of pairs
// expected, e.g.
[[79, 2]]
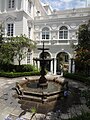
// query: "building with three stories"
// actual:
[[40, 23]]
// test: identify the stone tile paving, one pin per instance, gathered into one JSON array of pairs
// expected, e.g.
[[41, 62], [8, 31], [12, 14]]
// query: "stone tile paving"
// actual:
[[9, 106]]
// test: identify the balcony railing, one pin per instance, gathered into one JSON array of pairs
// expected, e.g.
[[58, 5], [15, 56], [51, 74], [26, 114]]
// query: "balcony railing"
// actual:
[[57, 42], [65, 15]]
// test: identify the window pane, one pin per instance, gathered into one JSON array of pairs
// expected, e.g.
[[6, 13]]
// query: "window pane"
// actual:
[[45, 33], [9, 4], [10, 29], [43, 36], [28, 57], [65, 34], [60, 34], [12, 3], [29, 32], [47, 36]]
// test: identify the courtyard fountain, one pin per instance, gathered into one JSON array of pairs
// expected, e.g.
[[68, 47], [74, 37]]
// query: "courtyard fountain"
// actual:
[[43, 89], [42, 80]]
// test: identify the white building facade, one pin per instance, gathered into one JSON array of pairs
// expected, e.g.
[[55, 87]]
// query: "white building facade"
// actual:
[[40, 23]]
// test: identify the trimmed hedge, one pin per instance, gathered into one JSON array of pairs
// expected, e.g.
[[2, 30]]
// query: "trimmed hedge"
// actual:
[[77, 77], [18, 74], [16, 68]]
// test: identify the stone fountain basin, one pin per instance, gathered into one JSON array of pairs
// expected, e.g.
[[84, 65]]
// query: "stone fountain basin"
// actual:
[[36, 94]]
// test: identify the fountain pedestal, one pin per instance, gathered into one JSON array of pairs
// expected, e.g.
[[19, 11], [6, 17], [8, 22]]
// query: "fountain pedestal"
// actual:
[[43, 82]]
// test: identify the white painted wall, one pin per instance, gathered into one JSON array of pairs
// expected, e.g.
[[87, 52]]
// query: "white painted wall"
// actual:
[[2, 5], [18, 27], [25, 26]]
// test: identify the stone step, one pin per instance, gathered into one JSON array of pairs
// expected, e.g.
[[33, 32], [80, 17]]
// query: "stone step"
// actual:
[[32, 98]]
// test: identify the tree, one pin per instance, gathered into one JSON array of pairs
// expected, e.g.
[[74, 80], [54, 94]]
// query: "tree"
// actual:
[[83, 35], [15, 47], [6, 53], [21, 45], [5, 48], [1, 34], [83, 47]]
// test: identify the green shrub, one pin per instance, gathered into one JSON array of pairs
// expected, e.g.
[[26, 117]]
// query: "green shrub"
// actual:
[[77, 77], [18, 74], [17, 68]]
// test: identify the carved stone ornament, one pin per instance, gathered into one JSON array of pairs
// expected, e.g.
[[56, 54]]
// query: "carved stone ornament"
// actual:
[[36, 27], [54, 26], [73, 26]]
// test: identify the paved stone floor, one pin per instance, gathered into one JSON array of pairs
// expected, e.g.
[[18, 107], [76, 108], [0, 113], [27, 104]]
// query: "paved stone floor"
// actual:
[[9, 106]]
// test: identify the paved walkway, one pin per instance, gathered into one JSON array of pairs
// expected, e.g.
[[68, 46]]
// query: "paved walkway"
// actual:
[[10, 106]]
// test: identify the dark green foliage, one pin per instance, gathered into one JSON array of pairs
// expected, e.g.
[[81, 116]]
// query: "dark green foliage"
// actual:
[[15, 47], [82, 57], [16, 68], [78, 77], [21, 45], [9, 70], [18, 74], [84, 36]]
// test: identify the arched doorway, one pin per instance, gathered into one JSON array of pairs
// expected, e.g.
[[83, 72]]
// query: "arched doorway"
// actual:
[[47, 62], [62, 59]]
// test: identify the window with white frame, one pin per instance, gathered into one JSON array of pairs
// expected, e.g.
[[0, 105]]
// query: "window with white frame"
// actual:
[[63, 32], [45, 33], [10, 28], [11, 4], [28, 57], [29, 32], [29, 6]]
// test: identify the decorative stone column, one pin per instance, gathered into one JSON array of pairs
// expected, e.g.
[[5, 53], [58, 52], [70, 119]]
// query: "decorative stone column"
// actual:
[[69, 65], [55, 66], [51, 69], [38, 65], [73, 66], [5, 6]]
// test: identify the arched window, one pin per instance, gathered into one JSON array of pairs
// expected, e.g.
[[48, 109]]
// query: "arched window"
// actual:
[[9, 26], [63, 32], [45, 33]]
